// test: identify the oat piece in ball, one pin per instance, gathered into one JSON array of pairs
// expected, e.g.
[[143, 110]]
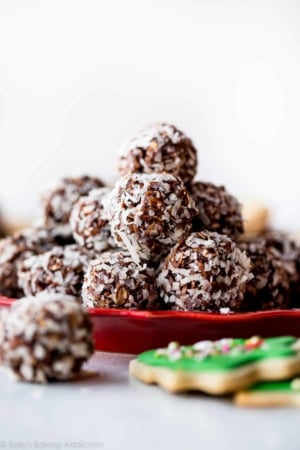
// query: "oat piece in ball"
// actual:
[[60, 270], [149, 214], [270, 287], [217, 210], [89, 221], [59, 199], [15, 249], [160, 148], [114, 280], [45, 338], [204, 272]]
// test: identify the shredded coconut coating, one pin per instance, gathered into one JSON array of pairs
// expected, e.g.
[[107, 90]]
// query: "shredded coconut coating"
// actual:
[[15, 249], [218, 210], [149, 214], [60, 270], [204, 272], [159, 148], [59, 198], [45, 338], [89, 221], [270, 287], [114, 280]]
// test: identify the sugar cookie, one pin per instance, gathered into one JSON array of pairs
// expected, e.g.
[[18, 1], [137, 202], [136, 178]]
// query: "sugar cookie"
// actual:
[[276, 393], [219, 367]]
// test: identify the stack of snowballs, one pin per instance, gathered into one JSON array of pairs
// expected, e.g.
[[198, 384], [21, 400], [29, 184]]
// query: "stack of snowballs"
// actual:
[[156, 240]]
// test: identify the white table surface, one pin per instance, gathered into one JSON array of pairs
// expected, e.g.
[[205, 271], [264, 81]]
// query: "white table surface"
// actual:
[[112, 411]]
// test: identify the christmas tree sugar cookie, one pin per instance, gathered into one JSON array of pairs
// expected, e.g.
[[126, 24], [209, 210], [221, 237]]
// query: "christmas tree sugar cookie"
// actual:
[[219, 367], [274, 393]]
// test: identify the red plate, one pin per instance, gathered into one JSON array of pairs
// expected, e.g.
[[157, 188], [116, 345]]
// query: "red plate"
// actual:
[[126, 331]]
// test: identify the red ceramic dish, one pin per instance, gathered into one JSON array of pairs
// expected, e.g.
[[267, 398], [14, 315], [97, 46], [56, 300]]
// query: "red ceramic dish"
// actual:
[[126, 331]]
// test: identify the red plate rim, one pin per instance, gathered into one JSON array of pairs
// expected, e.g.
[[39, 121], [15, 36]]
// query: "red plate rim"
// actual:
[[207, 316]]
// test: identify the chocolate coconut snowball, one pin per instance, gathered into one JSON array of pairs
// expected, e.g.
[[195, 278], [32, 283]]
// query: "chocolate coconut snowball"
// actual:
[[204, 272], [286, 249], [159, 148], [270, 287], [15, 249], [89, 221], [281, 245], [59, 199], [59, 270], [217, 210], [45, 338], [149, 214], [114, 280]]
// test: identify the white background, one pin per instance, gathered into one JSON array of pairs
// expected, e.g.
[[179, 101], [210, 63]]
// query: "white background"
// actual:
[[125, 414], [76, 77]]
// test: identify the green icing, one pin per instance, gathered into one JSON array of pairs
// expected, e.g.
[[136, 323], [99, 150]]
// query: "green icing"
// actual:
[[275, 386], [238, 355]]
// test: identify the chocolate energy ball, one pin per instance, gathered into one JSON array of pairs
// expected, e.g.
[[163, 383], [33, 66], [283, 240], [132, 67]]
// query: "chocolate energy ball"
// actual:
[[160, 148], [149, 214], [45, 338], [204, 272], [218, 210], [59, 270], [270, 287], [89, 221], [15, 249], [114, 280], [284, 248], [288, 251], [59, 199]]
